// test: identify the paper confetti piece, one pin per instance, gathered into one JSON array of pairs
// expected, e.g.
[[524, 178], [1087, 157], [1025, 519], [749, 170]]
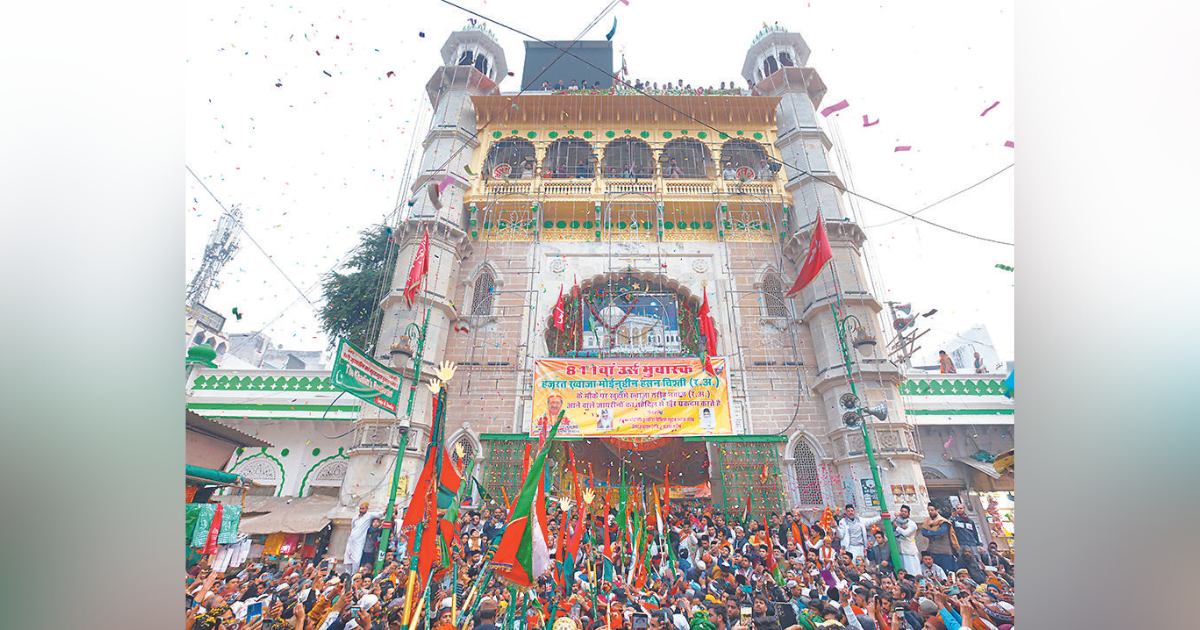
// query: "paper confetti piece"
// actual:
[[391, 74], [902, 148], [834, 108], [444, 184], [467, 168], [990, 107], [1010, 144], [422, 34], [949, 442], [327, 73], [869, 124], [237, 314]]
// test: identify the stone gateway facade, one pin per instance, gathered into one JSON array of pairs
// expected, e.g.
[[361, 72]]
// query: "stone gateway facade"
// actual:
[[596, 193]]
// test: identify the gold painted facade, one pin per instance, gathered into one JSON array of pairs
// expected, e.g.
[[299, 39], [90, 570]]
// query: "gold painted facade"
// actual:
[[606, 204]]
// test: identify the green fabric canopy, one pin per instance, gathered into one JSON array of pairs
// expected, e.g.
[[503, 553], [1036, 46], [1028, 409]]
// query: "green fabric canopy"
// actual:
[[211, 476]]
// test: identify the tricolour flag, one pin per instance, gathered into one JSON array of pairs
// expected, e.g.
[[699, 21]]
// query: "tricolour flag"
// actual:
[[420, 267], [819, 254], [523, 554]]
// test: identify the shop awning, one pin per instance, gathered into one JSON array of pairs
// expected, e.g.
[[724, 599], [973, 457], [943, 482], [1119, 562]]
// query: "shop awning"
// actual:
[[982, 467], [297, 516]]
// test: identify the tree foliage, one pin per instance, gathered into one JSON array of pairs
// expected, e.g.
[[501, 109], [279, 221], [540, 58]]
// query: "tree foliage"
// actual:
[[351, 298]]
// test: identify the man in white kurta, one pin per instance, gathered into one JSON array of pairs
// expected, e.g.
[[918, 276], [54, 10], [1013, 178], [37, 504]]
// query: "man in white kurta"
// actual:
[[906, 538], [358, 536], [854, 531]]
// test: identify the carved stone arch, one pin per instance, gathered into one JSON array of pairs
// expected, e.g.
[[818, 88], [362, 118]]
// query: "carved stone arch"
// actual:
[[929, 472], [262, 469]]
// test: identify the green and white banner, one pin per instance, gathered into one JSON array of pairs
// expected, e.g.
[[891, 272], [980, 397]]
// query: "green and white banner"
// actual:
[[362, 376]]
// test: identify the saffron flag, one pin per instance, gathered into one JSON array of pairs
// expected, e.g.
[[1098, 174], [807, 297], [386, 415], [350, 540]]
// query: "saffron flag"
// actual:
[[826, 521], [560, 312], [420, 267], [819, 254], [523, 554]]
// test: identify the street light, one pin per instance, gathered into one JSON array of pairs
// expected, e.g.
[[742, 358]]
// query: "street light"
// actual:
[[854, 417], [864, 341]]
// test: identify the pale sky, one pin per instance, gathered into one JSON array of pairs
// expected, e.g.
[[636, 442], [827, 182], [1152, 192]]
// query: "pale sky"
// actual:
[[320, 157]]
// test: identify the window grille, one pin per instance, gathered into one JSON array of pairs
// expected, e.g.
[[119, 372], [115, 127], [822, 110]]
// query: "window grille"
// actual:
[[468, 449], [808, 480], [484, 296], [773, 296]]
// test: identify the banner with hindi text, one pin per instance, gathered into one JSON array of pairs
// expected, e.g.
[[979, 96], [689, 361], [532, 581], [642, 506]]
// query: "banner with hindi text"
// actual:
[[631, 397]]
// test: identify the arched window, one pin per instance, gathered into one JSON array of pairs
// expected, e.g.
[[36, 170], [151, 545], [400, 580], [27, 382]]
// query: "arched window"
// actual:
[[568, 157], [481, 64], [740, 152], [468, 58], [769, 66], [620, 153], [808, 478], [468, 450], [785, 59], [689, 155], [484, 295], [772, 287], [514, 152]]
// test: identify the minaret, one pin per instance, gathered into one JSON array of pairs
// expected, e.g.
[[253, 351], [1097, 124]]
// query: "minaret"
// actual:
[[473, 64], [775, 66]]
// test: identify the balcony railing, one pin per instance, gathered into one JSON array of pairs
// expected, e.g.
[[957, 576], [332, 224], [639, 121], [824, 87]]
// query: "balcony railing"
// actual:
[[595, 187]]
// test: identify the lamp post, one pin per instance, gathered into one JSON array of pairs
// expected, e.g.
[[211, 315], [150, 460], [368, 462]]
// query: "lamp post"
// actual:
[[857, 414]]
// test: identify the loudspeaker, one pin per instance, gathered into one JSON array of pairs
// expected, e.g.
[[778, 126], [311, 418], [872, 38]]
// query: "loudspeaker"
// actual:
[[851, 419], [879, 411], [904, 322], [848, 401], [904, 308]]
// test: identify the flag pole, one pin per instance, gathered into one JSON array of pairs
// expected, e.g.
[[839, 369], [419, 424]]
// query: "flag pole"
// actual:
[[840, 323]]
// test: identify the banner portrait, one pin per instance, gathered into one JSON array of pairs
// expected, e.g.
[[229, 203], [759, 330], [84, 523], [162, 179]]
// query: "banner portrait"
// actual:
[[631, 397]]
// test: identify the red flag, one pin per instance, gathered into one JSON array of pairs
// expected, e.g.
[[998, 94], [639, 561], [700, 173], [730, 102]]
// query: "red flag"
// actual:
[[819, 253], [560, 312], [420, 267], [707, 327], [770, 559], [214, 530]]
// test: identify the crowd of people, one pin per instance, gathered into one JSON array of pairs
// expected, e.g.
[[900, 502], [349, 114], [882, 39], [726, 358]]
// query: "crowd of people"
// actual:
[[707, 571], [646, 87]]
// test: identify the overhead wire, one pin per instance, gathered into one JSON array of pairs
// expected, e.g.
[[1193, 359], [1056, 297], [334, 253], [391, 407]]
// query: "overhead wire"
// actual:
[[867, 227], [690, 117], [248, 235]]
